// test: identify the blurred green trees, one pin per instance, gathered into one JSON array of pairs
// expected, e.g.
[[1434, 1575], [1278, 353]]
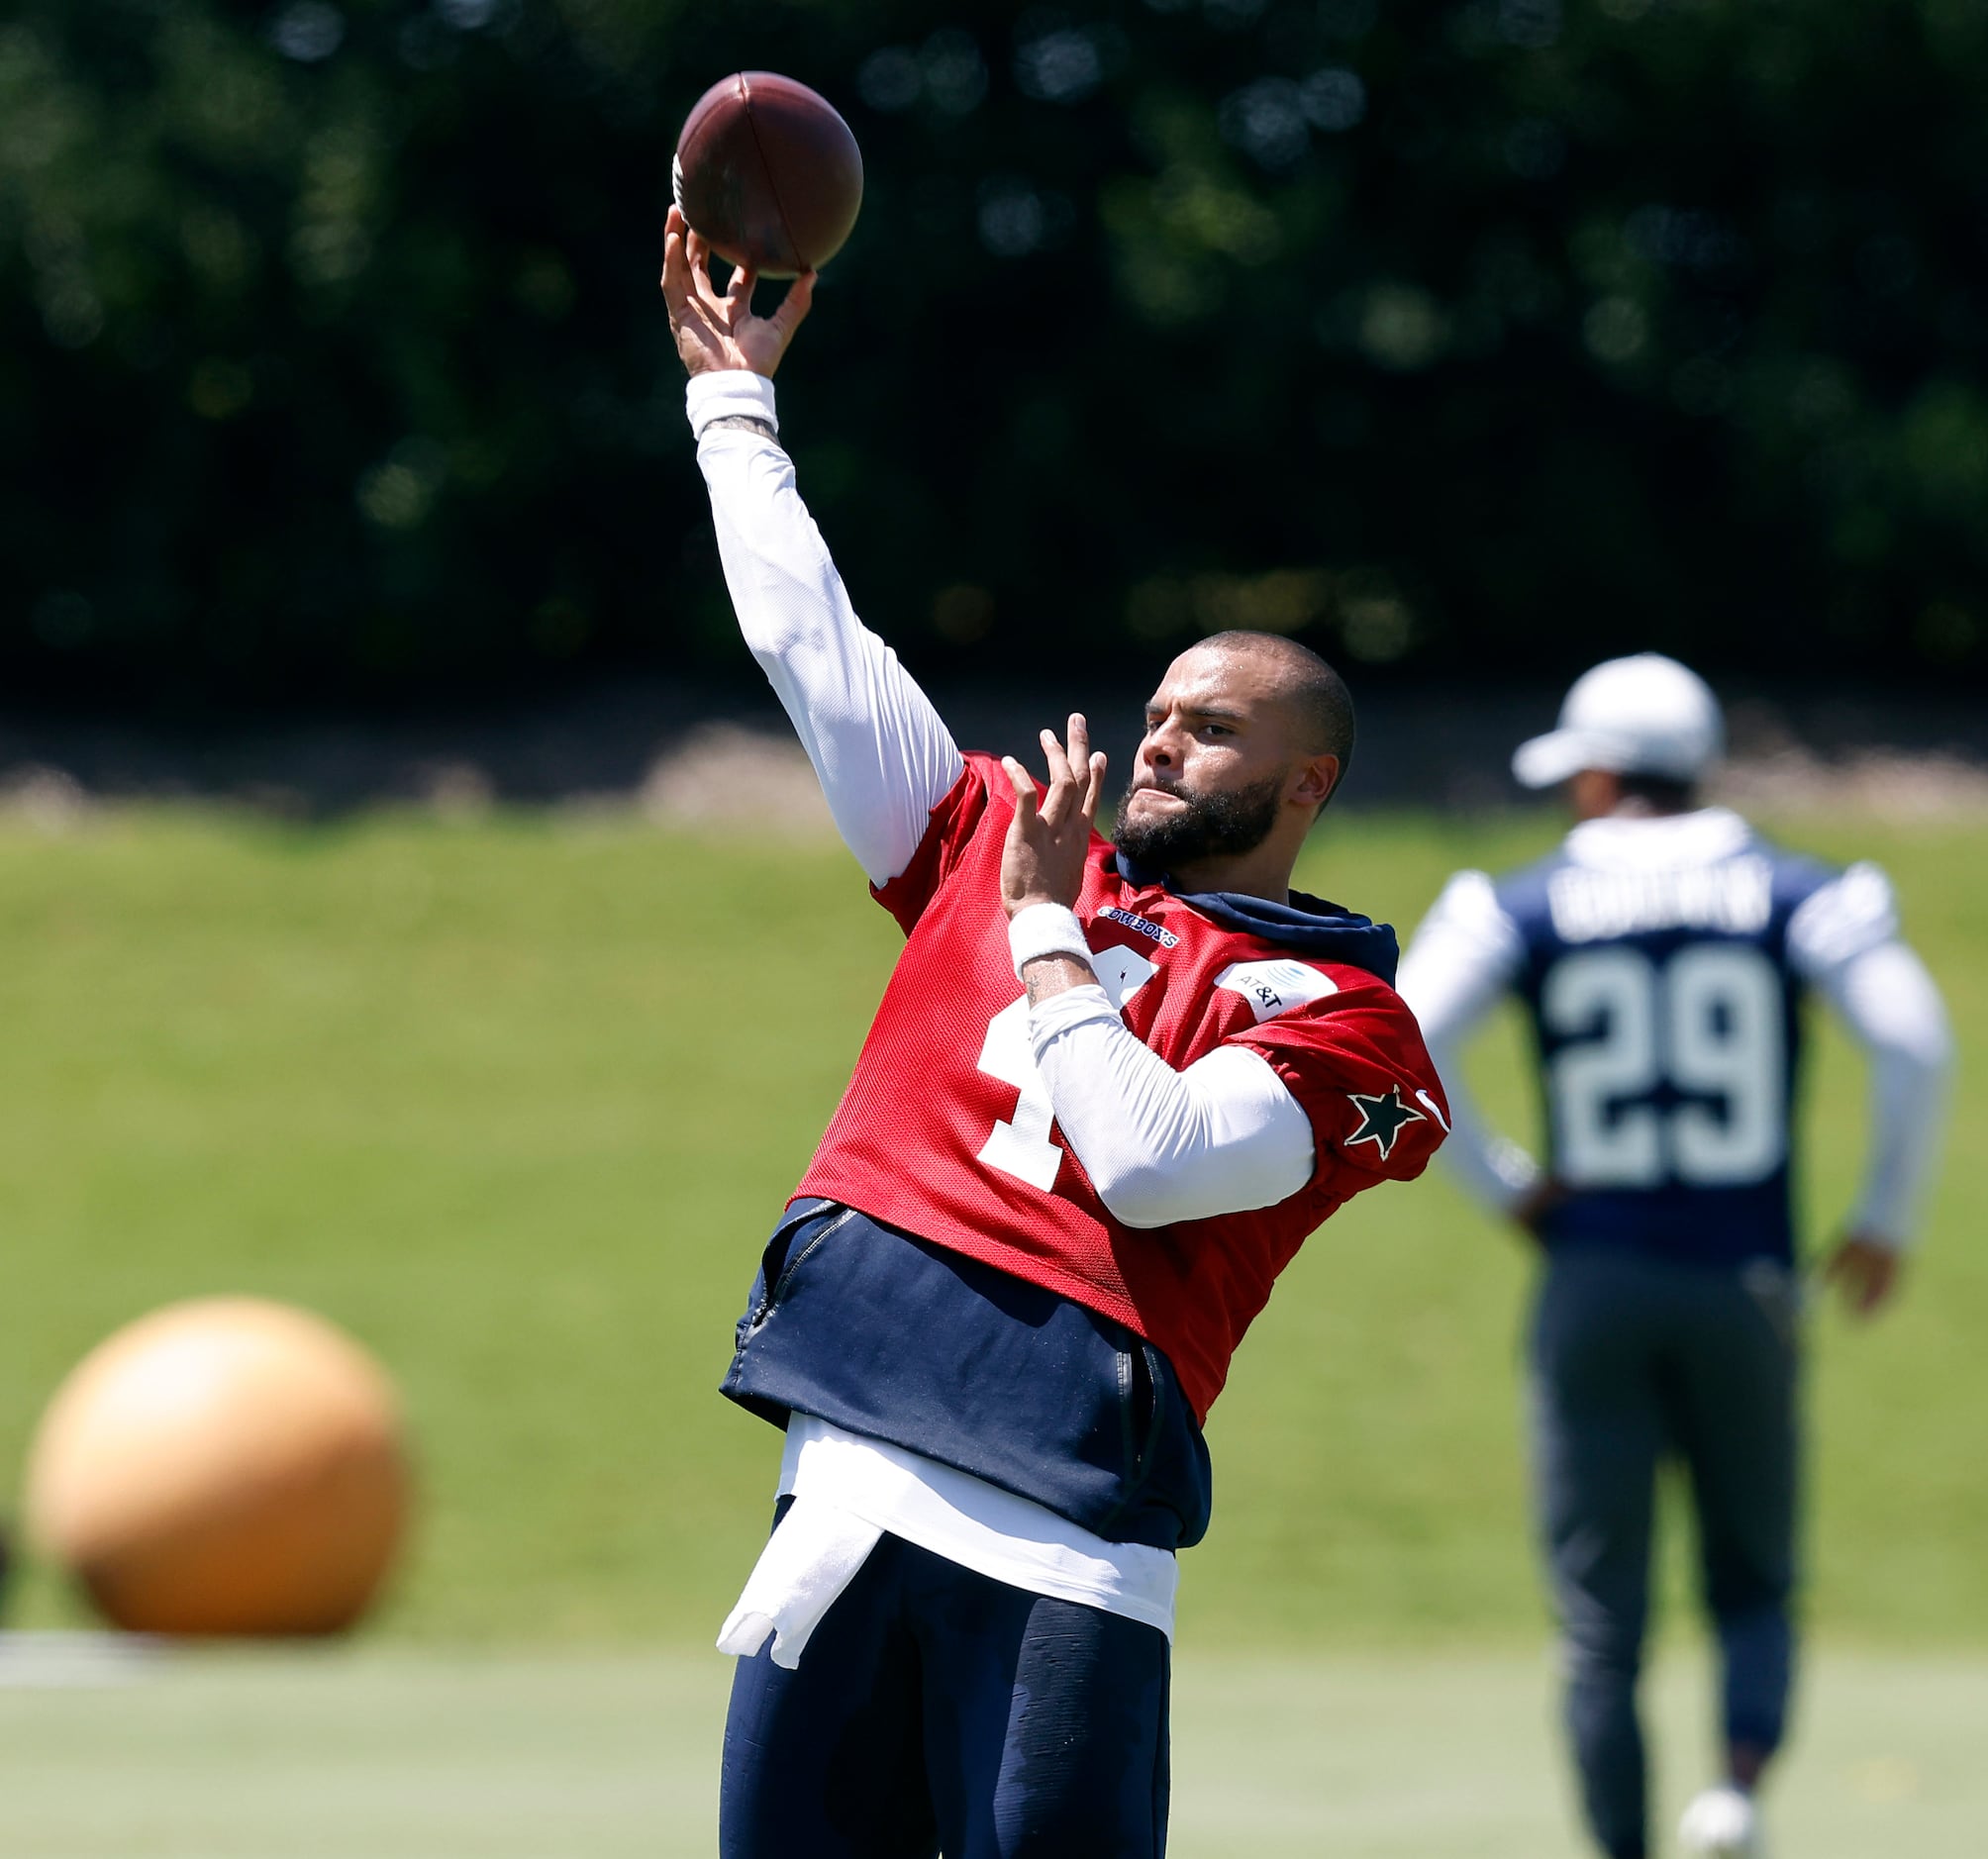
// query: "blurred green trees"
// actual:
[[1466, 338]]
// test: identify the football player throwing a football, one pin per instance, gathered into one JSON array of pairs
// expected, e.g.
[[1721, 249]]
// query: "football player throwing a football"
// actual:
[[1662, 956], [1110, 1089]]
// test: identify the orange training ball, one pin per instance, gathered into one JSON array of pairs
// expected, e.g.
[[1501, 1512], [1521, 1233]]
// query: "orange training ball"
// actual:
[[227, 1465]]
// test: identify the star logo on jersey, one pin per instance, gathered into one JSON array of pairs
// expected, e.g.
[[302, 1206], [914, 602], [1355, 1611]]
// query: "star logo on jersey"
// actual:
[[1382, 1120]]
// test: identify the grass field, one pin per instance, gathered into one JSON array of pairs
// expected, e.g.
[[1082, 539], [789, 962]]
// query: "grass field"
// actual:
[[411, 1754], [517, 1100]]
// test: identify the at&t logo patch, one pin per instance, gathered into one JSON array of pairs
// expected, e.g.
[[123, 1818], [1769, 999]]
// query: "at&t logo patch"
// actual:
[[1275, 987]]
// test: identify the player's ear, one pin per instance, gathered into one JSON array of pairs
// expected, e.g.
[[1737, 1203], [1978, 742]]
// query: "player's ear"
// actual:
[[1318, 776]]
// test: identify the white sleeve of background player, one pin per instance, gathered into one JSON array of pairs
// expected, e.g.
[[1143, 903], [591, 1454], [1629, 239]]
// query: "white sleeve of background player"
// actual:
[[1162, 1145], [1843, 939], [1461, 961], [884, 757]]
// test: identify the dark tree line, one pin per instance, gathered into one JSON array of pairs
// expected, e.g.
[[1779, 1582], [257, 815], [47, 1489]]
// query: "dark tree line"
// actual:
[[1465, 338]]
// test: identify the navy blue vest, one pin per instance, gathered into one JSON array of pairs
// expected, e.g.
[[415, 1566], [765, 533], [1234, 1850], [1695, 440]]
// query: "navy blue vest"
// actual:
[[892, 1338]]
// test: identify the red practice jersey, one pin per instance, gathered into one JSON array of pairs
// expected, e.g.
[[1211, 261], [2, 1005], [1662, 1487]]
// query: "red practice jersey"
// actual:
[[946, 1132]]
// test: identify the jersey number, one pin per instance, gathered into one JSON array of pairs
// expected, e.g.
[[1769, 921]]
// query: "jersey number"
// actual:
[[1708, 1021], [1021, 1145]]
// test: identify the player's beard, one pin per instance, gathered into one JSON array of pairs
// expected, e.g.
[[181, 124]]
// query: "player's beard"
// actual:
[[1205, 826]]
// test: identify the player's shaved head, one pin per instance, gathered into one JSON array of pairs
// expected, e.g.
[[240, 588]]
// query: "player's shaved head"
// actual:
[[1321, 705], [1246, 740]]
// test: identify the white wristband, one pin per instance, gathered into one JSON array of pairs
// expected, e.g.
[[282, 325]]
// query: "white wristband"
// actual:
[[1046, 930], [727, 392]]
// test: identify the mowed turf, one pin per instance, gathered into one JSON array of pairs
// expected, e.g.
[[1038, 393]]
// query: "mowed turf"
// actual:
[[517, 1100], [419, 1754]]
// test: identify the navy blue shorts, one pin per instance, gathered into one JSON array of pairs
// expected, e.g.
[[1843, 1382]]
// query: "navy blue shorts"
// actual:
[[935, 1710]]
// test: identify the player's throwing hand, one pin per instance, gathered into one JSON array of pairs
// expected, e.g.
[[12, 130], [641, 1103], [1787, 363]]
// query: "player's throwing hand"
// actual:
[[717, 328], [1042, 861]]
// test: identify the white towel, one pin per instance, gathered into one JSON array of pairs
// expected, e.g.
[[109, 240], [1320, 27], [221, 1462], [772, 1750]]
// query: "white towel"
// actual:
[[847, 1492], [809, 1559]]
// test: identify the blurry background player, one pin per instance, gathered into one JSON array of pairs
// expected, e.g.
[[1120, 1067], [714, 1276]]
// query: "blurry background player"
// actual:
[[1662, 954], [1105, 1099]]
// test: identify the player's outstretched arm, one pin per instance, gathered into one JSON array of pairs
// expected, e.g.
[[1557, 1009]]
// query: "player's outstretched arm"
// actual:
[[1459, 965], [883, 755], [1844, 939]]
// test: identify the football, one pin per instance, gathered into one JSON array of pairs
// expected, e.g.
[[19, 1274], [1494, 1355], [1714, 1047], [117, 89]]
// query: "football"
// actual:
[[769, 173]]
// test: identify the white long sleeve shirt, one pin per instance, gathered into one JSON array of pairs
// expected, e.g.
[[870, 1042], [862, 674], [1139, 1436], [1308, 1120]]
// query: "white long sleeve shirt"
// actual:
[[1843, 939]]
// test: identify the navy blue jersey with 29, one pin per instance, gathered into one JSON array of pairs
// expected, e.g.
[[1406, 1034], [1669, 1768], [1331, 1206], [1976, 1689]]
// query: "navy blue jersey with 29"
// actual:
[[1666, 1011]]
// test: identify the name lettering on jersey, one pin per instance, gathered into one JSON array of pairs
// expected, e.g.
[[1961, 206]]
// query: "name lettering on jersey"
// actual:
[[1275, 987], [1735, 896], [1143, 925], [1382, 1119]]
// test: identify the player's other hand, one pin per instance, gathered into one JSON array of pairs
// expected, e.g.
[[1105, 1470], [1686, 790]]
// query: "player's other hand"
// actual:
[[1048, 840], [1866, 1269], [717, 328]]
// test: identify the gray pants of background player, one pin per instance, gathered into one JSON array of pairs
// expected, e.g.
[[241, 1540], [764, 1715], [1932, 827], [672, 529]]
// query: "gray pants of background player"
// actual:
[[1635, 1360]]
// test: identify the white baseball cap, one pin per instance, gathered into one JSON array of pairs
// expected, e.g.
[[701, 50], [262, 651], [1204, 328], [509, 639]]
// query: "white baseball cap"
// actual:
[[1647, 714]]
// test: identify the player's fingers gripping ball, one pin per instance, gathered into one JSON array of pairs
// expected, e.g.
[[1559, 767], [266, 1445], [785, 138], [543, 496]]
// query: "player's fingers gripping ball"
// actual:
[[768, 174], [226, 1466]]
